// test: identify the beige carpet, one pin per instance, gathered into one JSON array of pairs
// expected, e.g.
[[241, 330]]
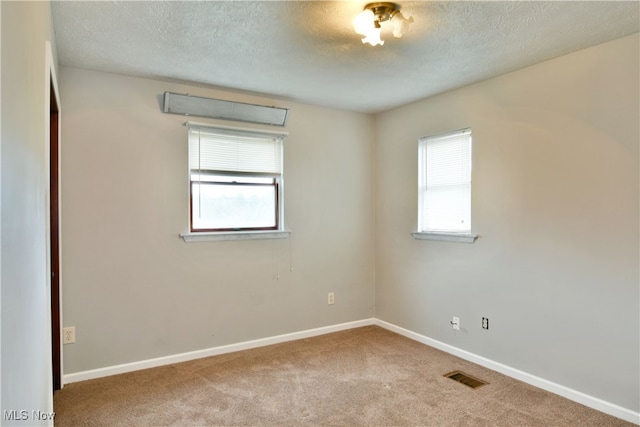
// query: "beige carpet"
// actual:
[[360, 377]]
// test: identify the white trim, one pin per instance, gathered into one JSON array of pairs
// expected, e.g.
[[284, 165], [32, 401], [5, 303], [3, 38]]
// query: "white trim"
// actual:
[[465, 131], [234, 235], [214, 351], [239, 128], [48, 76], [1, 340], [576, 396], [445, 237], [51, 85]]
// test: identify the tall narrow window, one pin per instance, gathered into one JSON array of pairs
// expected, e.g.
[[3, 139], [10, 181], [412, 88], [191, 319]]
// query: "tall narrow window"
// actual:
[[445, 183], [235, 180]]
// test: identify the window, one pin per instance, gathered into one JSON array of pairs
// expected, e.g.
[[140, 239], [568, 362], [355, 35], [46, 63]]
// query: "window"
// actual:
[[445, 184], [235, 180]]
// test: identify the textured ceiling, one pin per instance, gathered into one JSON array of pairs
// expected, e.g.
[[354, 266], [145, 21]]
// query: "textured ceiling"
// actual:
[[307, 50]]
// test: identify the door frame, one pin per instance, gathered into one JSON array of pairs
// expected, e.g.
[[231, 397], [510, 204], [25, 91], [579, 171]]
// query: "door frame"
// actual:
[[52, 131]]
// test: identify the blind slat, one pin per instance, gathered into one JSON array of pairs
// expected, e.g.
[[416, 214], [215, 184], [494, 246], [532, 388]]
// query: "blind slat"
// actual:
[[212, 150]]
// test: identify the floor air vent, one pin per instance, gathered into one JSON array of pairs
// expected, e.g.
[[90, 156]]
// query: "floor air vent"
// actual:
[[465, 379]]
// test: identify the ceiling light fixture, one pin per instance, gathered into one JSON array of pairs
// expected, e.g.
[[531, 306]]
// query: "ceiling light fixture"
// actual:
[[368, 22]]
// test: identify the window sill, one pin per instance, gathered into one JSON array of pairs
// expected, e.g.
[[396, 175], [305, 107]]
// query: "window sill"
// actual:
[[445, 237], [235, 235]]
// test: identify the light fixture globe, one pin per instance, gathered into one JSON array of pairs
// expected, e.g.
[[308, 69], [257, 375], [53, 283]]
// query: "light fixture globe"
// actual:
[[363, 23], [373, 38], [367, 23], [400, 24]]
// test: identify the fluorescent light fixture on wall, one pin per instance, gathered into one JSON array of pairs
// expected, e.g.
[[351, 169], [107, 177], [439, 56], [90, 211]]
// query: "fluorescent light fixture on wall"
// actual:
[[367, 23], [189, 105]]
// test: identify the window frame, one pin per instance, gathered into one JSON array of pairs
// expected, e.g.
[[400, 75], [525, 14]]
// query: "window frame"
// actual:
[[424, 233], [234, 233], [274, 183]]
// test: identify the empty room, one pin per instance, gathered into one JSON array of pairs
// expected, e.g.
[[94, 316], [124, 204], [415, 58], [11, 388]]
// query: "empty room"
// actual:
[[319, 213]]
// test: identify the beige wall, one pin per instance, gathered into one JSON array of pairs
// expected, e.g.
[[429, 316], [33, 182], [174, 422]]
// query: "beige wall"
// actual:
[[25, 300], [555, 201], [134, 290]]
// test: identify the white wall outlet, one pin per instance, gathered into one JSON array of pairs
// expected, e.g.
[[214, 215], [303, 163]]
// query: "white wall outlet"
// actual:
[[331, 298], [455, 323], [69, 335]]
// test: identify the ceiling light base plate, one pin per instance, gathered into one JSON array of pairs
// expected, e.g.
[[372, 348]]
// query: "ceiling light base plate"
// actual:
[[383, 11]]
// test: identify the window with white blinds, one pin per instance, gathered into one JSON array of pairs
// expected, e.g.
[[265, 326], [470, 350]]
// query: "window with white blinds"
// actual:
[[445, 183], [225, 150], [235, 179]]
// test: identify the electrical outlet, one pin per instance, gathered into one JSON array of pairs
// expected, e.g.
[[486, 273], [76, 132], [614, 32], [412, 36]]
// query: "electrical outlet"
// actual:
[[331, 298], [455, 323], [485, 323], [69, 335]]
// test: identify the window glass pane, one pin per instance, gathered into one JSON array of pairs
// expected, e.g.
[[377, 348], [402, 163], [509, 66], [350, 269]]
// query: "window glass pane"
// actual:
[[233, 206]]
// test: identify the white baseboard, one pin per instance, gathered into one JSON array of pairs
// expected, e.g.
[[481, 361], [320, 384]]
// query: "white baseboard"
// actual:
[[576, 396], [214, 351]]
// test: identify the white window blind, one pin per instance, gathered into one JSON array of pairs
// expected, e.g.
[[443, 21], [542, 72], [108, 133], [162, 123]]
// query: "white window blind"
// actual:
[[236, 179], [223, 150], [445, 183]]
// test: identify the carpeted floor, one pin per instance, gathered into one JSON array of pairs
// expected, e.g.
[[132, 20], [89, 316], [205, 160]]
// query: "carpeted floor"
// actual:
[[360, 377]]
